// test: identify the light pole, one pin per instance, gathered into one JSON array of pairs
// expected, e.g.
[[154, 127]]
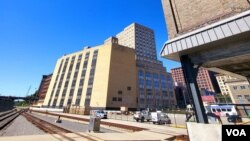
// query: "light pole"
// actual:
[[183, 93]]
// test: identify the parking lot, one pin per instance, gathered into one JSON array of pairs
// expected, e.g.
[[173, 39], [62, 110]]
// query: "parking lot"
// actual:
[[177, 120]]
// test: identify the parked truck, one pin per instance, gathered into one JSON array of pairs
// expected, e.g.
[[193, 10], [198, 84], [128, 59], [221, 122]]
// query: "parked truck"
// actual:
[[142, 116], [160, 118]]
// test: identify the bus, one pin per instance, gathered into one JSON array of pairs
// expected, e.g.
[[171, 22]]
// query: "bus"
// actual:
[[222, 110]]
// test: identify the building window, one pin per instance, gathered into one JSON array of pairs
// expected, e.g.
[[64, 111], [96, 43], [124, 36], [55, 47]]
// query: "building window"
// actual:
[[242, 87], [141, 73], [71, 92], [73, 83], [61, 103], [69, 102], [87, 102], [81, 82], [77, 65], [247, 97], [129, 88], [235, 87], [77, 102], [239, 96], [80, 57], [89, 90], [114, 99], [119, 92], [79, 93], [119, 99]]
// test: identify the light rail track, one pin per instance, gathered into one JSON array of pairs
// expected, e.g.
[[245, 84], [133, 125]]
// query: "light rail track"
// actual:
[[52, 128], [7, 117], [122, 126], [176, 136]]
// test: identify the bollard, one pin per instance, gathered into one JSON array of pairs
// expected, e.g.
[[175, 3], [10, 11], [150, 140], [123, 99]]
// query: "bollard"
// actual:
[[58, 120], [94, 124]]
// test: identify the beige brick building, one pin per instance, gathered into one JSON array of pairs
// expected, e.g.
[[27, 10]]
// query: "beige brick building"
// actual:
[[186, 15], [101, 77], [239, 90], [122, 72], [155, 85]]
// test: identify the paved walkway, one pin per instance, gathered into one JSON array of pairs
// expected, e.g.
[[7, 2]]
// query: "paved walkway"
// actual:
[[163, 129]]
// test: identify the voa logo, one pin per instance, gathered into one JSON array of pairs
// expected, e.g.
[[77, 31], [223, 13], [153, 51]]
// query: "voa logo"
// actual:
[[236, 132]]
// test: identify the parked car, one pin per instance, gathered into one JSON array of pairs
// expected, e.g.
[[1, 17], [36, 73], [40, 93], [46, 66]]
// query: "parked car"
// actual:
[[142, 115], [160, 118], [234, 118], [100, 114]]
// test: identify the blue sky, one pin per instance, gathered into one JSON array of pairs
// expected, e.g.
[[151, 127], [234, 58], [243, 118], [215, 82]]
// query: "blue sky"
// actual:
[[35, 33]]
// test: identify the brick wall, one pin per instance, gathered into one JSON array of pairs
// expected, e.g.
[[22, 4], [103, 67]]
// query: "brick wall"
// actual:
[[193, 14]]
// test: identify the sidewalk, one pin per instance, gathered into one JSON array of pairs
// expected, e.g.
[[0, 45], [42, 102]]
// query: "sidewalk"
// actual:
[[164, 129]]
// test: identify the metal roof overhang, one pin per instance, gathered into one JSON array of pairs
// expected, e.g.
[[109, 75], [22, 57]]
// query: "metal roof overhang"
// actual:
[[224, 45]]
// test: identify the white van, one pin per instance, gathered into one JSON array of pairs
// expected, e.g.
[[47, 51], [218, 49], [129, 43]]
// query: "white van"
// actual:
[[222, 110], [160, 118], [142, 115]]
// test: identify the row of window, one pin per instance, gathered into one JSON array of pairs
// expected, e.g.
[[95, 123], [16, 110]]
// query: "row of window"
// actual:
[[119, 99], [61, 74], [241, 98], [241, 87], [91, 79], [157, 104]]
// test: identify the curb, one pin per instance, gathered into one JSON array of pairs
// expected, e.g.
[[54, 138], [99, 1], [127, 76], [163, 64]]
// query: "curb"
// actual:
[[178, 126]]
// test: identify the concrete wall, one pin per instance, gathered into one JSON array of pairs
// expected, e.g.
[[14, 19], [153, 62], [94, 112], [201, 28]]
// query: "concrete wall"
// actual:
[[122, 77], [115, 71], [192, 14], [100, 86], [204, 132], [6, 104]]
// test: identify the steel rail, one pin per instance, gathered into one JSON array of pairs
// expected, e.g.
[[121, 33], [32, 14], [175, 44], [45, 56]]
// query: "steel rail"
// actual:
[[8, 117], [117, 125], [51, 128]]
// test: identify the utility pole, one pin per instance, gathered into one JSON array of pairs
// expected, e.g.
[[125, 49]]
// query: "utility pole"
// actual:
[[27, 93], [28, 90]]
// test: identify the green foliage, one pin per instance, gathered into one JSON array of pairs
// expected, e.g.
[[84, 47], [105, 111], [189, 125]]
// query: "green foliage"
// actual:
[[223, 98], [27, 101], [21, 103]]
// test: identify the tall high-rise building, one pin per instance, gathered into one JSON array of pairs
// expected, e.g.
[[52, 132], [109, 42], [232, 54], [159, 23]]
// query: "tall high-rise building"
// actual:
[[141, 39], [101, 77], [155, 85]]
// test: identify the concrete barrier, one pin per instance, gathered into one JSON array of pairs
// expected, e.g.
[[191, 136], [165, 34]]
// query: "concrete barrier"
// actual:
[[47, 109], [204, 132]]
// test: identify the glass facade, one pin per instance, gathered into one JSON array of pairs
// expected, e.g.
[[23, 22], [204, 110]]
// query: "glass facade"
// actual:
[[155, 90]]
